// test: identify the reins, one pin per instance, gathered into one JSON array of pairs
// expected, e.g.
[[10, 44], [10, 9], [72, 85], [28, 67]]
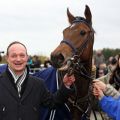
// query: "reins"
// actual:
[[77, 66]]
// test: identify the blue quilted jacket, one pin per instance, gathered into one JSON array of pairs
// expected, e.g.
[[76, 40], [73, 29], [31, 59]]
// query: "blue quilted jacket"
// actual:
[[111, 106]]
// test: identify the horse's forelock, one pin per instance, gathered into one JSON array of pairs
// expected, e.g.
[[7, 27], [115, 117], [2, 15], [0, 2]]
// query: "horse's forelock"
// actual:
[[81, 19]]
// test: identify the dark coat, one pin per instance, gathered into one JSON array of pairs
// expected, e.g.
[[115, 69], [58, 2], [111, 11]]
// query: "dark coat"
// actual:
[[50, 77], [34, 94]]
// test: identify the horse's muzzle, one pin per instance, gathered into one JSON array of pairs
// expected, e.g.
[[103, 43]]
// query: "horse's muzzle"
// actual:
[[57, 60]]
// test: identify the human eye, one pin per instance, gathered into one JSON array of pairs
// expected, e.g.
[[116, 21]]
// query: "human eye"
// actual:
[[22, 55], [13, 55]]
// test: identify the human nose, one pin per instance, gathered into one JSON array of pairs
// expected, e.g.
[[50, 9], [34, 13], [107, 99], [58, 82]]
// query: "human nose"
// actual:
[[18, 58]]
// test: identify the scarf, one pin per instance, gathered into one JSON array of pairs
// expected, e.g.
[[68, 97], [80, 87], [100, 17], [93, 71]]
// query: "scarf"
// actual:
[[18, 79]]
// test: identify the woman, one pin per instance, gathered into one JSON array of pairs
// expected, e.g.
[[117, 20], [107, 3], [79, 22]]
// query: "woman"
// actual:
[[115, 76], [108, 104]]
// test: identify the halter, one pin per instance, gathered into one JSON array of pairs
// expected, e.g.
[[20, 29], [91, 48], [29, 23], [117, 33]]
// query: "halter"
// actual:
[[78, 66], [71, 45]]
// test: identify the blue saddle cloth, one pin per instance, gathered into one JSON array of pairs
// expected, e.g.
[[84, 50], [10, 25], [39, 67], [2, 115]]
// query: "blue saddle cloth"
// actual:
[[3, 68], [50, 78]]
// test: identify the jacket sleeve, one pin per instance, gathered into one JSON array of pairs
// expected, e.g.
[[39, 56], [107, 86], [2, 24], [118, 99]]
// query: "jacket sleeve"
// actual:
[[105, 78], [54, 100], [111, 91], [110, 106]]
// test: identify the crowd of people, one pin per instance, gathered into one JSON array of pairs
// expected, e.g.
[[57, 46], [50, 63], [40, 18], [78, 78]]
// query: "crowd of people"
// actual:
[[36, 65], [106, 87], [22, 94]]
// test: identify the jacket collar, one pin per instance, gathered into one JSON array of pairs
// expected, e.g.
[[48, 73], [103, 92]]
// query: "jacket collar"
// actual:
[[8, 81]]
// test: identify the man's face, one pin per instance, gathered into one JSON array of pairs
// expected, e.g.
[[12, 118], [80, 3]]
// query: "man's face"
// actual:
[[101, 73], [17, 58]]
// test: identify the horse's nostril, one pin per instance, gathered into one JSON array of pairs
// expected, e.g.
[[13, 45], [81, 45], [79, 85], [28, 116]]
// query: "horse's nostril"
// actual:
[[60, 57], [52, 58], [57, 60]]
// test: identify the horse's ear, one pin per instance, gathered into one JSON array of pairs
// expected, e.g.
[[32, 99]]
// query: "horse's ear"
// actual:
[[88, 14], [71, 18]]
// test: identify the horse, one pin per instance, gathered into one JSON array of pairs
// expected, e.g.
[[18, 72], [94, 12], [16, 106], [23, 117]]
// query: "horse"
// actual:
[[74, 55]]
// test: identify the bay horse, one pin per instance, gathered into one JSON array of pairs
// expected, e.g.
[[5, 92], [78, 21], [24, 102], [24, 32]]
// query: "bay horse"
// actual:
[[74, 55]]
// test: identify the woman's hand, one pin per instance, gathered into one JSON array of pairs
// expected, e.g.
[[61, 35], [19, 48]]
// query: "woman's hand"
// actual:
[[99, 83], [97, 92]]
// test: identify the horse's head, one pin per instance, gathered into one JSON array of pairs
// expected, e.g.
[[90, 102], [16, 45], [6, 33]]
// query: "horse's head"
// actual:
[[78, 39], [74, 54]]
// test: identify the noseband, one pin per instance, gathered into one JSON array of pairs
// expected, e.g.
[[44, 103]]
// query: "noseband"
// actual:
[[77, 66], [70, 44]]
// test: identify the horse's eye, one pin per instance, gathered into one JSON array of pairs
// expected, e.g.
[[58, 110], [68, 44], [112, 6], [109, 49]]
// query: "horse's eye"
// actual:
[[82, 32]]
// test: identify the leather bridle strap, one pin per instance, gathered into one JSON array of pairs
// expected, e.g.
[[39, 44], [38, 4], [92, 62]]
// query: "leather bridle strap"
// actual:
[[70, 44], [84, 44], [74, 49]]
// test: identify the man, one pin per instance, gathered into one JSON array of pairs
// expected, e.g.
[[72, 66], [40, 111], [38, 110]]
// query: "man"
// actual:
[[22, 95]]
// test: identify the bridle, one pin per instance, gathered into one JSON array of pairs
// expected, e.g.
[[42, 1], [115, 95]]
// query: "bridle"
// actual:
[[84, 44], [75, 60], [77, 66]]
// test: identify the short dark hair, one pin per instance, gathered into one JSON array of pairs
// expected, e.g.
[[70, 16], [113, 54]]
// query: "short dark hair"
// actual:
[[15, 42], [113, 61]]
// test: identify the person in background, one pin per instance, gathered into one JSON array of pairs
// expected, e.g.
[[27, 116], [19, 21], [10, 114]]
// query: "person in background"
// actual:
[[101, 70], [112, 62], [36, 62], [99, 58], [104, 81], [115, 76], [47, 63], [111, 81], [22, 95], [109, 104], [29, 62], [111, 68], [107, 89], [101, 73]]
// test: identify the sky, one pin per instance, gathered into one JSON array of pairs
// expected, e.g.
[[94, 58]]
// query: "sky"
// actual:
[[39, 23]]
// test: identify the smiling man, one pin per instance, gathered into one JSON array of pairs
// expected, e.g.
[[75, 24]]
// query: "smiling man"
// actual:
[[22, 95]]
